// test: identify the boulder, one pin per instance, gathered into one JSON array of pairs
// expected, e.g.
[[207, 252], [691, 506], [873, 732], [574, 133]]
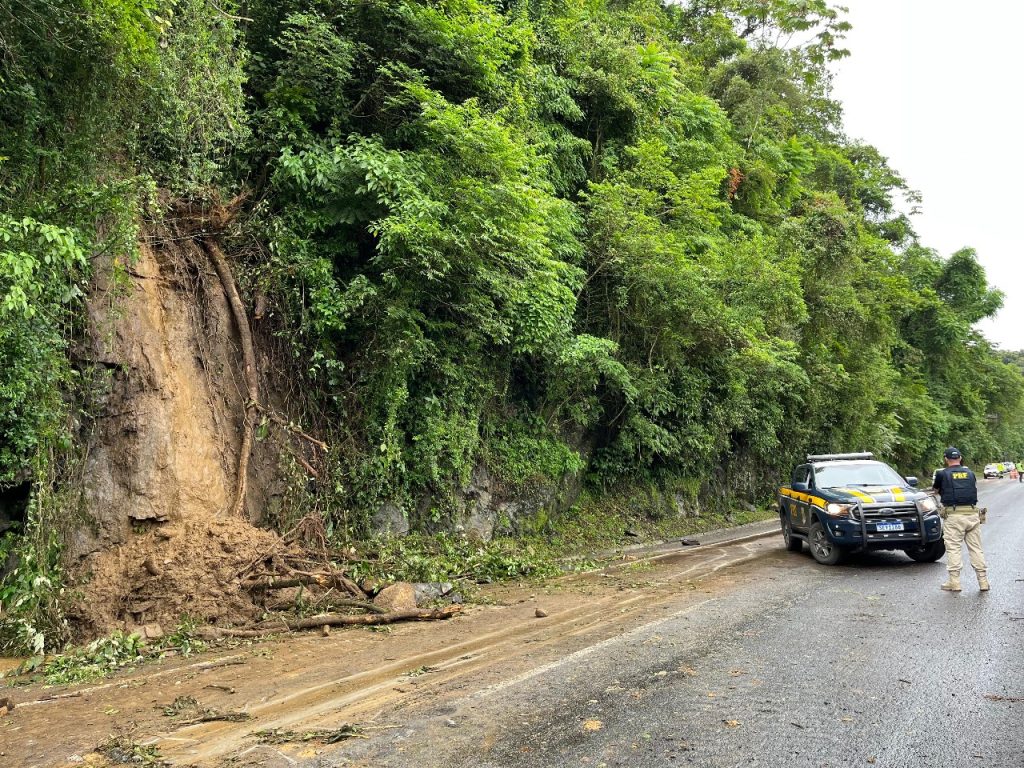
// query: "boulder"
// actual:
[[397, 597], [435, 590]]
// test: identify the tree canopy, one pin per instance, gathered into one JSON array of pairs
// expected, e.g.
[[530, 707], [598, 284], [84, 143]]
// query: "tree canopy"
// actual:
[[621, 239]]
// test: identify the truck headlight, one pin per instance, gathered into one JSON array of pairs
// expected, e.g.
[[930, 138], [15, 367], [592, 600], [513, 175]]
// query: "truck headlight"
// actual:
[[838, 510], [927, 505]]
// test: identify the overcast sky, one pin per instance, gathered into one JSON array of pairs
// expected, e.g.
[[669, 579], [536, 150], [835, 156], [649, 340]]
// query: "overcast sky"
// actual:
[[936, 86]]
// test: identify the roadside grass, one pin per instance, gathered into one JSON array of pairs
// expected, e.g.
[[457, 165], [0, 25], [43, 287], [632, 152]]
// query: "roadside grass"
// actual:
[[105, 656], [613, 522], [591, 532]]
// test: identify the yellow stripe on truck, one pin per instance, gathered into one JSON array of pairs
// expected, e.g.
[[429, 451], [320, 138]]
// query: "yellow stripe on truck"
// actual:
[[860, 495], [897, 494], [805, 497]]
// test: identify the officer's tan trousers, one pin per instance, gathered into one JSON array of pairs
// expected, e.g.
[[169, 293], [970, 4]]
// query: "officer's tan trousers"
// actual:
[[956, 529]]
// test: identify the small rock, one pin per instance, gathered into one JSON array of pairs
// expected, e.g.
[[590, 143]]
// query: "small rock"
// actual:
[[451, 723], [152, 631], [632, 532], [151, 567], [540, 613], [689, 542], [325, 630]]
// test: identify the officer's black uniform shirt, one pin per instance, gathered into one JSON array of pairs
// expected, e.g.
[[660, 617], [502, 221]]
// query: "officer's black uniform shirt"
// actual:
[[957, 486]]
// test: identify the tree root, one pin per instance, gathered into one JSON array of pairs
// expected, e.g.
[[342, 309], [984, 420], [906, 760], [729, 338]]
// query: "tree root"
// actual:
[[288, 426], [227, 282]]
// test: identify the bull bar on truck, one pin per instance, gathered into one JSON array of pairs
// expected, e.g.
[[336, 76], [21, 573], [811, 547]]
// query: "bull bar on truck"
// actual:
[[922, 534]]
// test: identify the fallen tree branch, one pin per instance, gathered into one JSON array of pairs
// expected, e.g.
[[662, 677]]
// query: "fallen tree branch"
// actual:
[[328, 602], [301, 579], [212, 717], [334, 620]]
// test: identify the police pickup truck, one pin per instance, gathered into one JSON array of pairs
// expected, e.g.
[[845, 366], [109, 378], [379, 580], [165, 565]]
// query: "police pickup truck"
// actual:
[[849, 502]]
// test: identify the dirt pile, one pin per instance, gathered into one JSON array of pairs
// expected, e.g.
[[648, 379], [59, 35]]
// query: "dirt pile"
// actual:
[[191, 568]]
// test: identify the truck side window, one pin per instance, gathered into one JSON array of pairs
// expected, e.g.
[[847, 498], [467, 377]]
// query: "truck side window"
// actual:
[[802, 474]]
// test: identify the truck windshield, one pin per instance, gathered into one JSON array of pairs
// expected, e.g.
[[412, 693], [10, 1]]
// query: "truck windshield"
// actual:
[[845, 475]]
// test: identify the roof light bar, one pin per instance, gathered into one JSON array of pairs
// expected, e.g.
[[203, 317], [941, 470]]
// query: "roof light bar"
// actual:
[[838, 456]]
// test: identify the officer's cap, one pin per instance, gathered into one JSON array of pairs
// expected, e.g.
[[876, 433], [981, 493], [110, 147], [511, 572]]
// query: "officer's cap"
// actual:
[[951, 453]]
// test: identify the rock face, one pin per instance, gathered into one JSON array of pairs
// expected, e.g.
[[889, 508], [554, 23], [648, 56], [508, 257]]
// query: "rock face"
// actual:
[[488, 506], [685, 507], [390, 519]]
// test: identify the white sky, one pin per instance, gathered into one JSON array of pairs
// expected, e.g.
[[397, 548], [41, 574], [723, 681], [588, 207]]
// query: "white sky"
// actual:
[[936, 86]]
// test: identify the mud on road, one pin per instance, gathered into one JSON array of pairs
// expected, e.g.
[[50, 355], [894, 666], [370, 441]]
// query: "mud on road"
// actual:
[[359, 677]]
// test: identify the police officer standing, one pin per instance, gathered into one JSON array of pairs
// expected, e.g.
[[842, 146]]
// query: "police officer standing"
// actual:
[[958, 489]]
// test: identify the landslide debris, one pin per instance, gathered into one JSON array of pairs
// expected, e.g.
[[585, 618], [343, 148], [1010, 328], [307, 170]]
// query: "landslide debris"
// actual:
[[174, 486]]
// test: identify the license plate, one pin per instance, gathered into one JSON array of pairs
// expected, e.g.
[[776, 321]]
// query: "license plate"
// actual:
[[889, 527]]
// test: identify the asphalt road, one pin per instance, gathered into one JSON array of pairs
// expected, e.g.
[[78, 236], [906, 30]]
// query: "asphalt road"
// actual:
[[867, 663]]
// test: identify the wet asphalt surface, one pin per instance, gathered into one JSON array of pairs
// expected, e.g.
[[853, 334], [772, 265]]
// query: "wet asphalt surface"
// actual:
[[866, 663]]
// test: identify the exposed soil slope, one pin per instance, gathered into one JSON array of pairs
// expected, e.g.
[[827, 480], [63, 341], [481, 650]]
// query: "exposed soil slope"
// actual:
[[159, 473]]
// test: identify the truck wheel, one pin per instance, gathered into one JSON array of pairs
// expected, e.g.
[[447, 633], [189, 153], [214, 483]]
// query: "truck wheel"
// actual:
[[822, 548], [928, 553], [793, 544]]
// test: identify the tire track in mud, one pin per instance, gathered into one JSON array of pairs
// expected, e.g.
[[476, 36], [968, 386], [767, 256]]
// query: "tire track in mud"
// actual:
[[477, 663]]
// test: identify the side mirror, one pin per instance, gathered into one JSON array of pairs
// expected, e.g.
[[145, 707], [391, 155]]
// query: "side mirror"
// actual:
[[802, 487], [911, 481]]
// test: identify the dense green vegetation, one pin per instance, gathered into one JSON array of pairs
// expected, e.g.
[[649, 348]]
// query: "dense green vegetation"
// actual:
[[625, 239]]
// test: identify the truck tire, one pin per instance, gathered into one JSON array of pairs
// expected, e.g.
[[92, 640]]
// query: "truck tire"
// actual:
[[928, 553], [822, 548], [793, 544]]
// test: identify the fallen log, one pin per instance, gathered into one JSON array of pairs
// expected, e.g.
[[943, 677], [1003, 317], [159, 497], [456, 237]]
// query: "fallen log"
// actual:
[[264, 583], [327, 602], [332, 620]]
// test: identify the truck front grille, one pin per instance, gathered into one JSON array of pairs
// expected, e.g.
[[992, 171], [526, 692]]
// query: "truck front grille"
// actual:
[[888, 511]]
